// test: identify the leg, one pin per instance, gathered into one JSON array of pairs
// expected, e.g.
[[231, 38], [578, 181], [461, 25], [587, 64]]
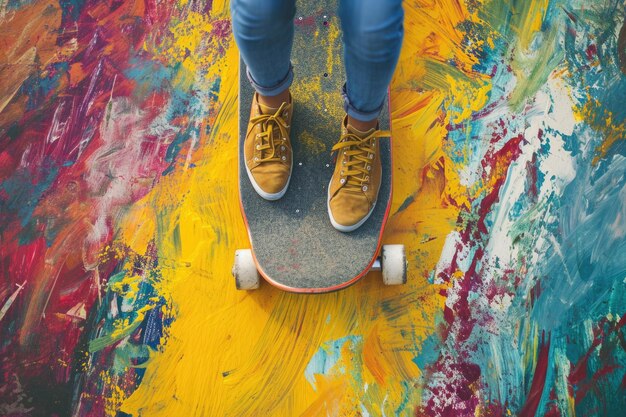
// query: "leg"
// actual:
[[372, 37], [263, 30]]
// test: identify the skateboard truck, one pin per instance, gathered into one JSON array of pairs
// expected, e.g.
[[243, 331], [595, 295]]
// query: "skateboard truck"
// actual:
[[392, 262]]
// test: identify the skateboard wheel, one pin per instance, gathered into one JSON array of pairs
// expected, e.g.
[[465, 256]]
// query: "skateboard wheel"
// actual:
[[394, 264], [244, 270]]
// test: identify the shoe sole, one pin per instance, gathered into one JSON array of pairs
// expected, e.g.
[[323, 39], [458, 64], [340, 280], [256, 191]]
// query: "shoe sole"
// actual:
[[270, 196], [341, 227]]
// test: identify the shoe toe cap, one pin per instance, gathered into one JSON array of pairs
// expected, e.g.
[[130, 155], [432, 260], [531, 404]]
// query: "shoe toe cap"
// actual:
[[271, 179], [348, 209]]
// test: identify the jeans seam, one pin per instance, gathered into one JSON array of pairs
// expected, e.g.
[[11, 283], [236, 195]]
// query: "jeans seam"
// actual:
[[356, 113], [281, 86]]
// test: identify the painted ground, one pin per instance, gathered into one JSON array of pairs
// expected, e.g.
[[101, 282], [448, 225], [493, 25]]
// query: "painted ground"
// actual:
[[119, 218]]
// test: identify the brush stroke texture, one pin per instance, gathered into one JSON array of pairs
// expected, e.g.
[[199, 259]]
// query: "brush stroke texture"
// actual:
[[119, 219]]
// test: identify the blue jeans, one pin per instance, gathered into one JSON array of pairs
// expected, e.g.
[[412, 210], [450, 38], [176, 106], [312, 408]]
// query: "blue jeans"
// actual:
[[372, 37]]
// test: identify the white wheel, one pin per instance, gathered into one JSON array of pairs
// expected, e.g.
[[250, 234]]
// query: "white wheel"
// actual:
[[244, 270], [394, 264]]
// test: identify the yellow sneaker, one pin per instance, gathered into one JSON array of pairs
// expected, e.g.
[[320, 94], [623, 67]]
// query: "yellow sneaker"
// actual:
[[353, 189], [267, 148]]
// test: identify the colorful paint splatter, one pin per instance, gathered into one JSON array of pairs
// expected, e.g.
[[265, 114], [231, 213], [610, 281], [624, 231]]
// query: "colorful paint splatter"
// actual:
[[119, 220]]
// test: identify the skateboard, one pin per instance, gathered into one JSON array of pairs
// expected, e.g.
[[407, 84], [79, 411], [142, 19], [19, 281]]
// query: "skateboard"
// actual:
[[293, 244]]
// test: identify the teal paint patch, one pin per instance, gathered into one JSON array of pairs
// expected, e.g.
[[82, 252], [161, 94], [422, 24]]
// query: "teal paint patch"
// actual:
[[326, 357], [20, 194], [429, 352], [150, 76]]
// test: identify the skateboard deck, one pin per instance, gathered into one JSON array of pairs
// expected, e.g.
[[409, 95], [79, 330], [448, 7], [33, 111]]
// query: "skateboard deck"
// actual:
[[293, 243]]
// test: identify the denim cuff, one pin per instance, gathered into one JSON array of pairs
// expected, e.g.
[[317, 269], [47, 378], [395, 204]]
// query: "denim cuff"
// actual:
[[275, 90], [354, 112]]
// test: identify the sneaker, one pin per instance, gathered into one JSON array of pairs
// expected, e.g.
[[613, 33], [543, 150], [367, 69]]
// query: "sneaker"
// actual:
[[267, 148], [353, 189]]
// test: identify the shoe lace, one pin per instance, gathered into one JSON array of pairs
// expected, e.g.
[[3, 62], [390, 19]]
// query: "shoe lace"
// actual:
[[359, 154], [268, 142]]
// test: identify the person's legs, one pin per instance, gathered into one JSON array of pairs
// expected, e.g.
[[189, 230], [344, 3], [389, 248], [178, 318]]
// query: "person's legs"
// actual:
[[263, 31], [372, 37]]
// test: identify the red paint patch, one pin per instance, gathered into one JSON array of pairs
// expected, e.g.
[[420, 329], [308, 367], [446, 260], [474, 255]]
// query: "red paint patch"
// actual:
[[539, 380], [592, 52]]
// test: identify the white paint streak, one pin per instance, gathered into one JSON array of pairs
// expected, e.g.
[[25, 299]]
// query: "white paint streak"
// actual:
[[11, 299]]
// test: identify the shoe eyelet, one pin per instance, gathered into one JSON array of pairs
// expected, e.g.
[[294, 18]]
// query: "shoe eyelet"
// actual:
[[367, 178], [371, 156], [282, 148], [285, 114], [341, 173], [364, 188], [343, 162], [258, 146], [284, 158], [369, 167], [284, 138], [256, 159], [258, 135], [343, 180]]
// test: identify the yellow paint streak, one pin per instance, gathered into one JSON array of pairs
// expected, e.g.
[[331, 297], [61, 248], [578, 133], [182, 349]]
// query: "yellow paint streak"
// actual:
[[139, 227], [527, 20], [129, 285], [232, 353], [600, 119], [330, 399], [311, 143], [116, 397], [423, 83], [190, 43], [333, 36]]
